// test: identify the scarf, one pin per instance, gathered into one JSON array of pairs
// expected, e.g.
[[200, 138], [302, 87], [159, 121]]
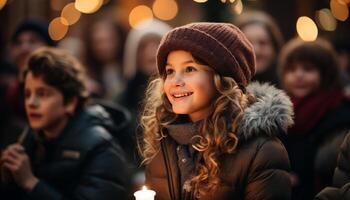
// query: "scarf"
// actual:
[[310, 110]]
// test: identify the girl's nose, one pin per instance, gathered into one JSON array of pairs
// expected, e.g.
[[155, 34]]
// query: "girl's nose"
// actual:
[[178, 80]]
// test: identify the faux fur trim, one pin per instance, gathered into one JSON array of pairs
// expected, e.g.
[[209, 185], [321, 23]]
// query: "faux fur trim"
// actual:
[[271, 115]]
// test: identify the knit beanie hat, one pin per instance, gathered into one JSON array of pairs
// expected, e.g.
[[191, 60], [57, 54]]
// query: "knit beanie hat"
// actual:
[[221, 45], [36, 26]]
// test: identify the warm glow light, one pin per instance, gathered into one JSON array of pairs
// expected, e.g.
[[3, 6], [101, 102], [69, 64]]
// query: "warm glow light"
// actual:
[[88, 6], [57, 29], [2, 3], [165, 9], [339, 10], [139, 14], [326, 20], [200, 1], [144, 194], [223, 1], [232, 1], [344, 1], [307, 29], [70, 13], [237, 8]]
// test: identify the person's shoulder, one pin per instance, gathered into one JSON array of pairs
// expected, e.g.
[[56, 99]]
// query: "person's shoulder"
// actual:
[[269, 116], [268, 152], [87, 132]]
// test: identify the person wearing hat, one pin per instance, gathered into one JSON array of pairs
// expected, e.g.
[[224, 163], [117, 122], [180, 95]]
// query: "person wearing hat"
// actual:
[[207, 133], [29, 35]]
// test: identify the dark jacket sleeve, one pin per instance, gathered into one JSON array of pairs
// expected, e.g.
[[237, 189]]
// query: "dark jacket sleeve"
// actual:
[[342, 171], [104, 176], [268, 177], [332, 193], [341, 178]]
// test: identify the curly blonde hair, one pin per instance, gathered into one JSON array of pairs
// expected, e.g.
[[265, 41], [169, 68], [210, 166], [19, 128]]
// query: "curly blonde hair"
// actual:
[[217, 133]]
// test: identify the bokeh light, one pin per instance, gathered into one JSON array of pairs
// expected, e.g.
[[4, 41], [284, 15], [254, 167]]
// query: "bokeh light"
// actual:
[[339, 9], [307, 29], [71, 14], [88, 6], [2, 3], [165, 9], [139, 14], [57, 29], [326, 20], [200, 1], [237, 8]]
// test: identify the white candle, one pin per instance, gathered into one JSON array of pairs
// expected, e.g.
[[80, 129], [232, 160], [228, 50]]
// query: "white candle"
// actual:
[[145, 194]]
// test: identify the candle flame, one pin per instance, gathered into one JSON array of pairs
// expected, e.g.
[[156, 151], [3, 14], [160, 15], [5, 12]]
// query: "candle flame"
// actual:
[[144, 188]]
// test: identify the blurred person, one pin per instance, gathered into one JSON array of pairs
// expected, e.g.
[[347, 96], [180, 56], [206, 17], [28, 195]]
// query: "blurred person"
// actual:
[[29, 35], [68, 152], [104, 43], [309, 73], [343, 50], [207, 133], [140, 61], [263, 32], [139, 66], [340, 189], [75, 46]]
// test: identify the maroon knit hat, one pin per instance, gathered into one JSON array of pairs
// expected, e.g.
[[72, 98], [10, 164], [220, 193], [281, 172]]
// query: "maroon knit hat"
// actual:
[[221, 45]]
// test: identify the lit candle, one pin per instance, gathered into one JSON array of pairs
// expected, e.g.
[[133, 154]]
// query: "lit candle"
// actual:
[[145, 194]]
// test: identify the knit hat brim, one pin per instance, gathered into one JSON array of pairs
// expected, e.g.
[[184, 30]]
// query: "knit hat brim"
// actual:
[[208, 49]]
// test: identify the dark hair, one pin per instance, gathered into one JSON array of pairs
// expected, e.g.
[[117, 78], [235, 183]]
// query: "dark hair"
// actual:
[[319, 53], [40, 28], [60, 70]]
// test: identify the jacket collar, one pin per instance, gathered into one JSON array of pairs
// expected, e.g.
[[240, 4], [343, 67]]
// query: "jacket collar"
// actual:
[[270, 115]]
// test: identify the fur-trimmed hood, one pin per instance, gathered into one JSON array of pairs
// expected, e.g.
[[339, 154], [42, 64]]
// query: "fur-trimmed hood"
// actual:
[[270, 115]]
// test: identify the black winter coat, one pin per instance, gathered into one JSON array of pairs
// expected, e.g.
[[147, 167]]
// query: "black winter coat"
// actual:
[[84, 162], [257, 170], [341, 178]]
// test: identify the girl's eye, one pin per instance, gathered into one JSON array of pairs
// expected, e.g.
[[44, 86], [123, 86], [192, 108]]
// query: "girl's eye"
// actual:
[[190, 69], [169, 71]]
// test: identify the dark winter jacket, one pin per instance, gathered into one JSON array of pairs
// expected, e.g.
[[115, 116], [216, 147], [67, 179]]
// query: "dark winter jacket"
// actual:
[[84, 162], [257, 170], [313, 155], [341, 178]]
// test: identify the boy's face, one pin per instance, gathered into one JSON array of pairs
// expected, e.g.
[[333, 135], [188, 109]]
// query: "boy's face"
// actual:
[[44, 105], [301, 80], [189, 86]]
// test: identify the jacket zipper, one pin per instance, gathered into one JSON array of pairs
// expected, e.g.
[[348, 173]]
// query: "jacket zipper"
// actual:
[[168, 169]]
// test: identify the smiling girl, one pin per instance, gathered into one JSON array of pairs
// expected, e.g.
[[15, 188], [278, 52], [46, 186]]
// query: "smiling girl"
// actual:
[[207, 134]]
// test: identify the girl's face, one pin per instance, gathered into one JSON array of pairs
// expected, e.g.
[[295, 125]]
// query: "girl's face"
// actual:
[[45, 105], [189, 86], [263, 46], [301, 80]]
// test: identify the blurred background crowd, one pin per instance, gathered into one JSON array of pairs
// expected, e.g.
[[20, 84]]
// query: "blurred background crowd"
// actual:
[[301, 46]]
